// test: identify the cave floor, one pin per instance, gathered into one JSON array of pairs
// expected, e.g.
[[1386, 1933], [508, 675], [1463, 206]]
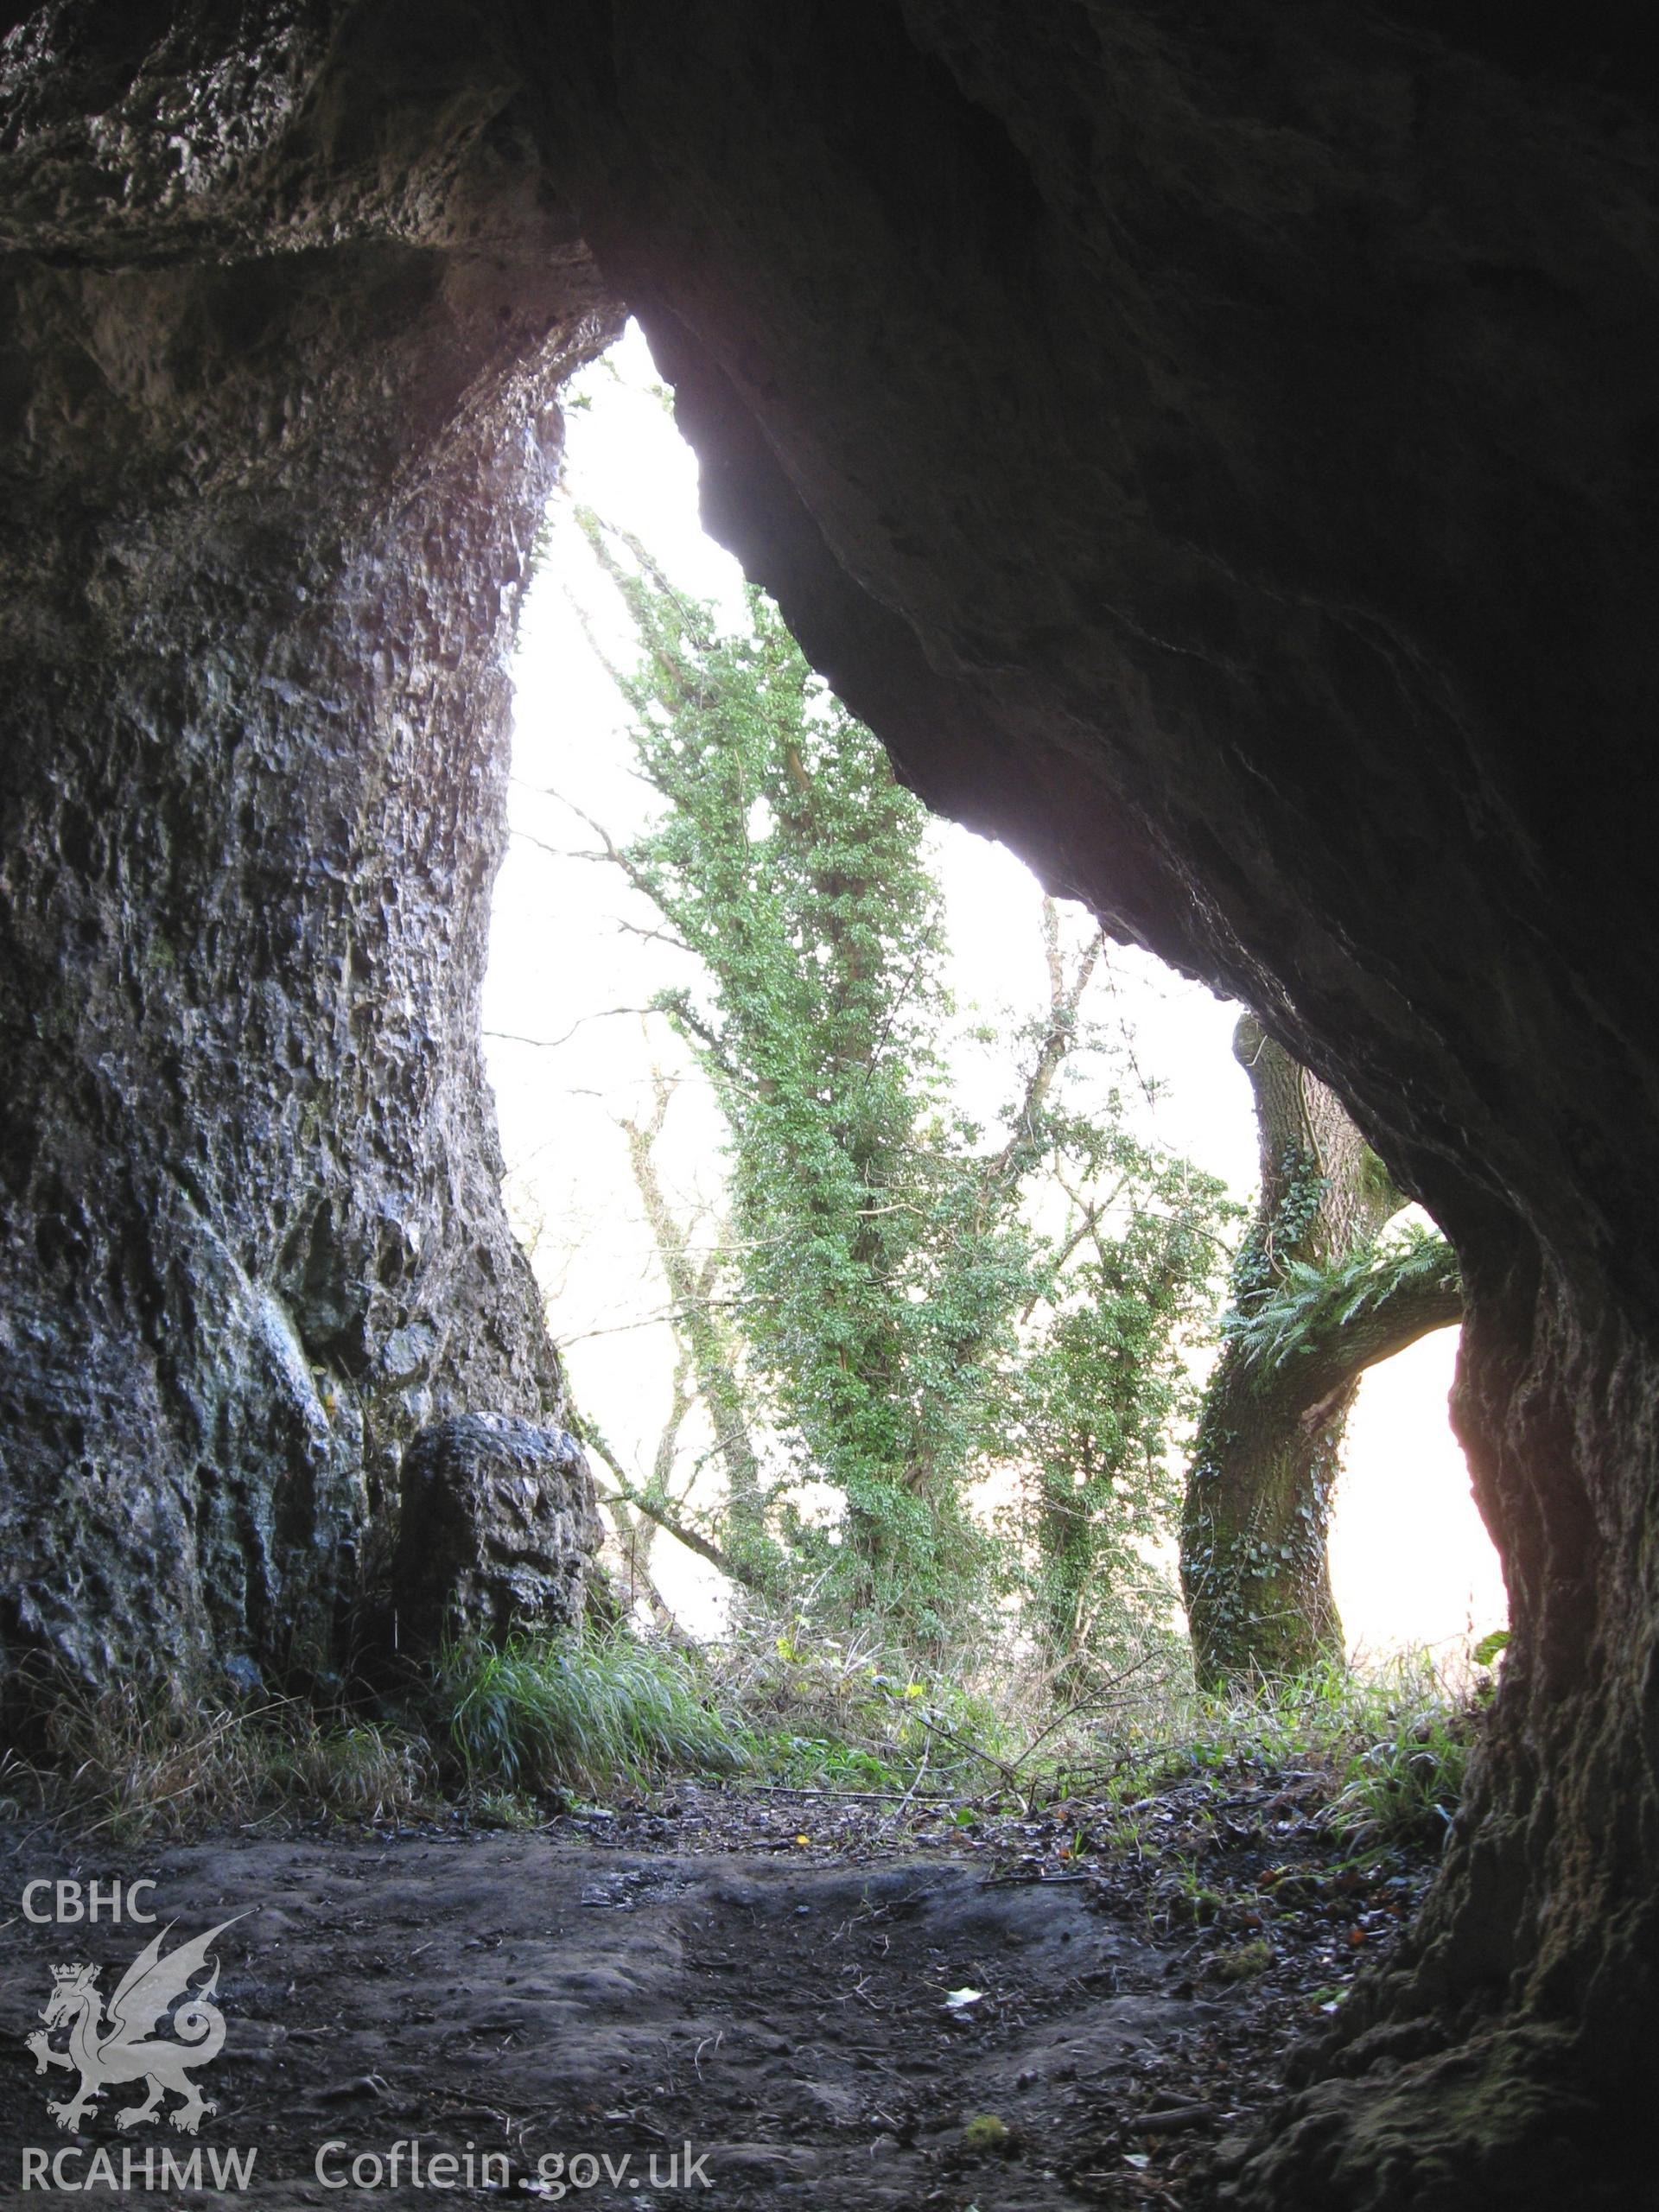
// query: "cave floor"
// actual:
[[723, 1997]]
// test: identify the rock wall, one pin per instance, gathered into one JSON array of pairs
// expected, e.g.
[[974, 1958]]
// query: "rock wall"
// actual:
[[282, 331], [1214, 446]]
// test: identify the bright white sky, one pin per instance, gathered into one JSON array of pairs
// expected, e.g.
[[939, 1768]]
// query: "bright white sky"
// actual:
[[1411, 1561]]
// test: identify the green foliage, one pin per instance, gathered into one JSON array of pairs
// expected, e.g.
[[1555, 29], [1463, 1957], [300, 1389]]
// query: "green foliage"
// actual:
[[789, 861], [1308, 1305], [1402, 1787], [588, 1712], [1259, 1265], [1394, 1741], [888, 1266], [853, 1714], [1095, 1402], [1349, 1722]]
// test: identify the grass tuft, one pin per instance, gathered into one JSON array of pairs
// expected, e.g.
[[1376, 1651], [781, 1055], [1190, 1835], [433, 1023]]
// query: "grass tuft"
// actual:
[[1241, 1963], [1404, 1787], [579, 1712], [139, 1762]]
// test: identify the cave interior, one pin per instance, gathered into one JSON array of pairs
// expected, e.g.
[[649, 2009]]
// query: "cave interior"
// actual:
[[1213, 447]]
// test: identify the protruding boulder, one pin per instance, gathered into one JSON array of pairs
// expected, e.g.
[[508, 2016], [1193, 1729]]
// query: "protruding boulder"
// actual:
[[497, 1530]]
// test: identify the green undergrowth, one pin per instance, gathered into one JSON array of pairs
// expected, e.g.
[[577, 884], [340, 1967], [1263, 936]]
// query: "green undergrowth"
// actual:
[[1389, 1744], [590, 1714], [505, 1734], [834, 1712], [596, 1715]]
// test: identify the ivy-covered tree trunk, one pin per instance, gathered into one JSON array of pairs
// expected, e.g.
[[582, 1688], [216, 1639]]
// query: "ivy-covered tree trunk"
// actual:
[[1254, 1561], [1255, 1555], [879, 1246]]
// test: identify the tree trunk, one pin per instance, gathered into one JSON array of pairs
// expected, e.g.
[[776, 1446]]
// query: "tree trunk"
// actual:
[[1255, 1556], [710, 1354], [1065, 1543]]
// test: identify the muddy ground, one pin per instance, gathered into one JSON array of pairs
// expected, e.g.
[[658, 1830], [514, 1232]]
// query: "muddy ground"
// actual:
[[737, 1999]]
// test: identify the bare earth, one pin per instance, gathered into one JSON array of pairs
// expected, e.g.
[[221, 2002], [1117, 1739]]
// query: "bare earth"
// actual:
[[738, 2002]]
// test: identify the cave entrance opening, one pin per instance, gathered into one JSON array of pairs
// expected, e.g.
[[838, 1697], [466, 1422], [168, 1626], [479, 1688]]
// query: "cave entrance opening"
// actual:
[[572, 1054]]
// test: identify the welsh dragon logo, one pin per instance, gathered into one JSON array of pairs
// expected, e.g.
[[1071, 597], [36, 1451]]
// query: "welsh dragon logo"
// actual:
[[123, 2047]]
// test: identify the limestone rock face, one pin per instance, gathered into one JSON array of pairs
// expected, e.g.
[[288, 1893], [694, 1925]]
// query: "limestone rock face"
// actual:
[[496, 1531], [282, 330], [1216, 448]]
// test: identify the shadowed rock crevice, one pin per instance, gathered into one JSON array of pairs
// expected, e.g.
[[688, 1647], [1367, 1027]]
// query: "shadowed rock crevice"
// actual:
[[1215, 447]]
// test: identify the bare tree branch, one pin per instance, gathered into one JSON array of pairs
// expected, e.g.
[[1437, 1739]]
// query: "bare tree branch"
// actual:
[[656, 1510], [552, 1044]]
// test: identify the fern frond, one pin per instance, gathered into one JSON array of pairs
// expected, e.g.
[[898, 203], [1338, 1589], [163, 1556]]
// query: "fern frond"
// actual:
[[1311, 1304]]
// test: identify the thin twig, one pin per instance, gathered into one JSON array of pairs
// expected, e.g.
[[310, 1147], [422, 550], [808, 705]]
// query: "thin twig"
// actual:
[[893, 1819]]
